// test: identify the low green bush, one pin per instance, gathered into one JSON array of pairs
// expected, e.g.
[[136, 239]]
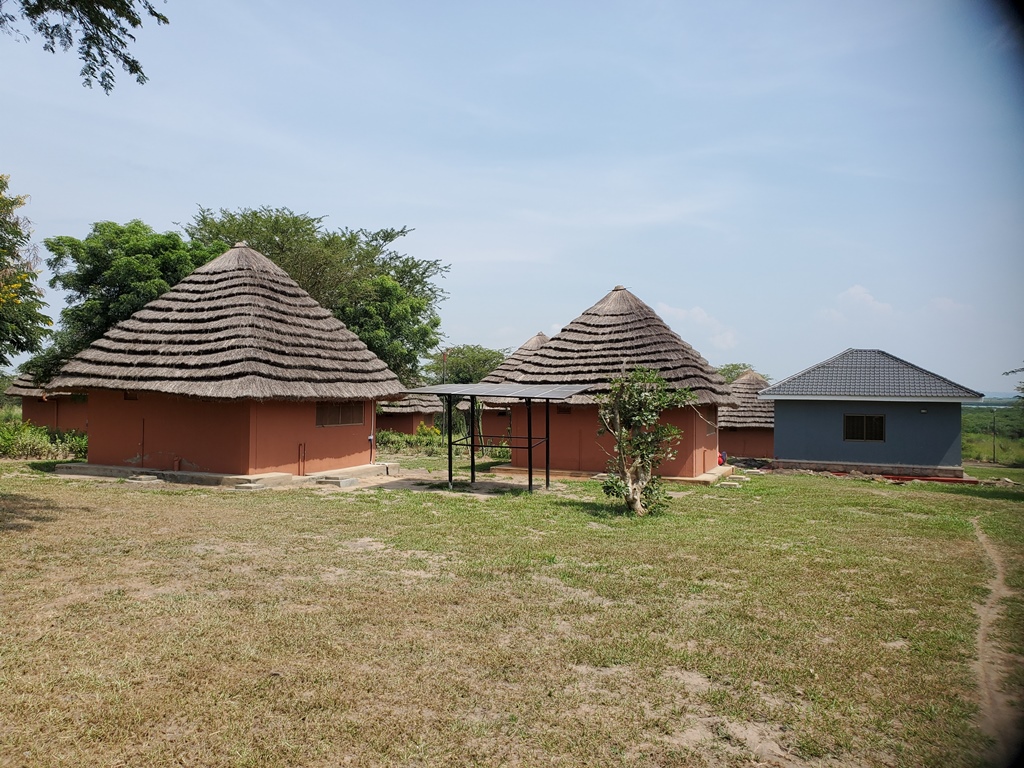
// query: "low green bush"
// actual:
[[428, 441], [23, 440]]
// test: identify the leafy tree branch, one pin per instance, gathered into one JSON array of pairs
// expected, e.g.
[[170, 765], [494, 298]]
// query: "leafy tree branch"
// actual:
[[100, 30], [23, 325]]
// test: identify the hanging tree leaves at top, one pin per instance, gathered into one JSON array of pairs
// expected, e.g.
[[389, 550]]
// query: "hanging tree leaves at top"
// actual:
[[100, 30]]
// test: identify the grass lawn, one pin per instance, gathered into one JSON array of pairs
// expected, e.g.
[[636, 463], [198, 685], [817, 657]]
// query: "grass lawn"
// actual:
[[794, 621]]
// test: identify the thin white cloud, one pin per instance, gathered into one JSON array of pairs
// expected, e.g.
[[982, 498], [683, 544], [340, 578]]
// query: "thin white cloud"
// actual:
[[858, 299], [714, 330], [947, 307]]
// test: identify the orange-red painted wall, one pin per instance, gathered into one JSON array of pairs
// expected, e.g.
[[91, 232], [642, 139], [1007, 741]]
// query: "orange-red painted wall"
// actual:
[[57, 412], [496, 425], [166, 432], [406, 423], [286, 431], [576, 447], [751, 443]]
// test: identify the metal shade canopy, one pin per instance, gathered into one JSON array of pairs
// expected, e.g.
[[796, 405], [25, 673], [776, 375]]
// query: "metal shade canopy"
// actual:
[[507, 389], [525, 392]]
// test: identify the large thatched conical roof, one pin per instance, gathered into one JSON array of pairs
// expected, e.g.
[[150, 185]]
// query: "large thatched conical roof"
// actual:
[[749, 411], [618, 334], [237, 328]]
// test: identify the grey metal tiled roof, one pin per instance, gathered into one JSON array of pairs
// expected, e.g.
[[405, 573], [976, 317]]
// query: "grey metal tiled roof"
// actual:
[[868, 373]]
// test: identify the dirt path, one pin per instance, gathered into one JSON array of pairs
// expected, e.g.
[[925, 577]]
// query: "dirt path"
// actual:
[[998, 716]]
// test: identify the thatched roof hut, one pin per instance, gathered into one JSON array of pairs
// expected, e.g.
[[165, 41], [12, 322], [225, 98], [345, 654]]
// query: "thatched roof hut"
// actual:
[[615, 335], [237, 328], [750, 412], [54, 410]]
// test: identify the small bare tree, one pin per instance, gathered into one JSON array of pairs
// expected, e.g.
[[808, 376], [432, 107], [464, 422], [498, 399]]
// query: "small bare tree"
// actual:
[[631, 413]]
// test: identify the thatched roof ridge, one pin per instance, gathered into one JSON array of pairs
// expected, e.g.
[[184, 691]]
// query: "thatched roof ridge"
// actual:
[[23, 385], [236, 328], [508, 366], [511, 363], [750, 412], [614, 336], [413, 404]]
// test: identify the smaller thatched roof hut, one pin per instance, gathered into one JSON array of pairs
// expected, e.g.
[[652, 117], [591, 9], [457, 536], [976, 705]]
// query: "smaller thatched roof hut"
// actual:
[[749, 411], [59, 411], [749, 429], [409, 413]]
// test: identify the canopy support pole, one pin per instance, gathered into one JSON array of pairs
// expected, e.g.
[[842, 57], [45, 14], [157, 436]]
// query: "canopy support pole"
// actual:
[[472, 438], [547, 444], [529, 443], [449, 399]]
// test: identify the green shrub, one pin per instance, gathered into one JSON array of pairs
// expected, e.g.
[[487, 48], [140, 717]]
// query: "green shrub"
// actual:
[[23, 440], [427, 430], [428, 441], [10, 413]]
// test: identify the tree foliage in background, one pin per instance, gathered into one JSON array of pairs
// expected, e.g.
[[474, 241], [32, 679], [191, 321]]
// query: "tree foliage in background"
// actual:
[[99, 29], [462, 364], [111, 274], [23, 325], [388, 299], [631, 413], [1020, 384], [732, 371]]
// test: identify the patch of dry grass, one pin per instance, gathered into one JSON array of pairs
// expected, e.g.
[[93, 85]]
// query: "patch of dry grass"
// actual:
[[794, 621]]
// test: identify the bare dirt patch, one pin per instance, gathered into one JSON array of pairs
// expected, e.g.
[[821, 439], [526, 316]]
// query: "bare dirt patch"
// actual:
[[1000, 718]]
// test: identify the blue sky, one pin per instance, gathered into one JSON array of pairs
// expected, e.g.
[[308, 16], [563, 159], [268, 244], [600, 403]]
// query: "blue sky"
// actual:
[[780, 181]]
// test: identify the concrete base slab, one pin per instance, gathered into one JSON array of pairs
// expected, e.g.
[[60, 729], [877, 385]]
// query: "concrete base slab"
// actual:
[[710, 477], [538, 472], [895, 470], [254, 482]]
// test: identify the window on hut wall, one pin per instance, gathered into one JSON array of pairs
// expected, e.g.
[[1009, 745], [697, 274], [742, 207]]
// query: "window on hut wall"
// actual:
[[338, 414], [563, 410], [864, 427]]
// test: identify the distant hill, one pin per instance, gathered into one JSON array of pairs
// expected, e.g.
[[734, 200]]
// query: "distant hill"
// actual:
[[994, 400]]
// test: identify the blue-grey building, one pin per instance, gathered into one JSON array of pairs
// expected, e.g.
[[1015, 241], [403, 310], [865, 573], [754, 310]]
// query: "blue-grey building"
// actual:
[[868, 411]]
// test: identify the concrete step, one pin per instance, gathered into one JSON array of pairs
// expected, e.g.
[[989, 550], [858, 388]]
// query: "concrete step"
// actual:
[[340, 482], [249, 486]]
